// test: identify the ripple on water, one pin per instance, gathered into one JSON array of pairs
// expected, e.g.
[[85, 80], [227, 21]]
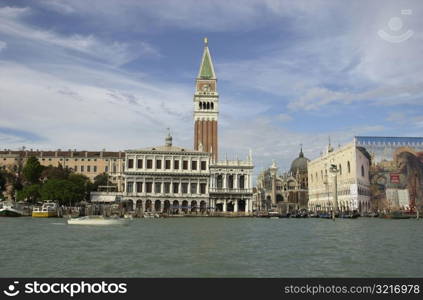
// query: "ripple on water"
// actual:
[[213, 247]]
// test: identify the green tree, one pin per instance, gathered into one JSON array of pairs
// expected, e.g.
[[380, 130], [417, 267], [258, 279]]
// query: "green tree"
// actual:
[[32, 170], [31, 193], [83, 185], [100, 179], [59, 172]]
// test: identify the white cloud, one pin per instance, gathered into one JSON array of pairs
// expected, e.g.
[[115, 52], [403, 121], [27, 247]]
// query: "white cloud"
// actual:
[[117, 53], [3, 45], [284, 117]]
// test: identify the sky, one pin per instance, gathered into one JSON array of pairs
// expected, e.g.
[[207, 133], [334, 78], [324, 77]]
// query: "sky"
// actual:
[[114, 74]]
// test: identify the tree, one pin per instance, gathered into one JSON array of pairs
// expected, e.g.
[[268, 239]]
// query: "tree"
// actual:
[[32, 170], [59, 172], [31, 193], [100, 179]]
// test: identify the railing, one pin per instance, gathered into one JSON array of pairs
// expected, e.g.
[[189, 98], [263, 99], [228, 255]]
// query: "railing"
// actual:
[[229, 190]]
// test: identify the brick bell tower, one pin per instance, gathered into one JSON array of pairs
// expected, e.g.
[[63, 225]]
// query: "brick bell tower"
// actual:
[[206, 106]]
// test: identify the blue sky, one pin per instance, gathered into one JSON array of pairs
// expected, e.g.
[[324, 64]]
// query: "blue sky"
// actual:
[[115, 74]]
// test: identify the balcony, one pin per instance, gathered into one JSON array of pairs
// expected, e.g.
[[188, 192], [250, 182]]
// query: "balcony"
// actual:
[[230, 191]]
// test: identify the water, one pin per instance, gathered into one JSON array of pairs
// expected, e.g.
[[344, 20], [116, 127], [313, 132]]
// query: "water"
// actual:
[[212, 247]]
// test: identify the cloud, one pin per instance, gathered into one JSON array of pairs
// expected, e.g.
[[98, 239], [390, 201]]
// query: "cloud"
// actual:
[[3, 45], [284, 117], [118, 53]]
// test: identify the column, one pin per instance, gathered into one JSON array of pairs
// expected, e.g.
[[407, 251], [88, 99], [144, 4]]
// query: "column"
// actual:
[[235, 181], [247, 207], [224, 181], [224, 205], [236, 206], [198, 187]]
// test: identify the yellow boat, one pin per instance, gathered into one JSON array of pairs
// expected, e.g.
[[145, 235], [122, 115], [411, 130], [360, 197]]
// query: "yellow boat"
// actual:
[[47, 210]]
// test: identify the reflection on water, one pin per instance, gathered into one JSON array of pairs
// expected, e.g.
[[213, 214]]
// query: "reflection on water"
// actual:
[[212, 247]]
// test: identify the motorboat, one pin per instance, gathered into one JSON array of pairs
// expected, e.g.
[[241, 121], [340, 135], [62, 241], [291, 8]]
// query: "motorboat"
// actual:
[[98, 220], [9, 210], [47, 210]]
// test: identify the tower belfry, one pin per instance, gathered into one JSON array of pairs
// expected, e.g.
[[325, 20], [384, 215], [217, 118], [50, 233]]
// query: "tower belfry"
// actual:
[[206, 105]]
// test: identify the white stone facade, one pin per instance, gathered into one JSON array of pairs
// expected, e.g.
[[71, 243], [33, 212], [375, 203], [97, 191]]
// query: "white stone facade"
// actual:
[[353, 184]]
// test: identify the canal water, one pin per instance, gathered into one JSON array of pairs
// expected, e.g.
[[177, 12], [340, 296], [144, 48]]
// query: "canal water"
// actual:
[[212, 247]]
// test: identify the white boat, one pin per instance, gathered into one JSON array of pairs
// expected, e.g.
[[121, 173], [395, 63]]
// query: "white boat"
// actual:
[[9, 210], [47, 210], [97, 220]]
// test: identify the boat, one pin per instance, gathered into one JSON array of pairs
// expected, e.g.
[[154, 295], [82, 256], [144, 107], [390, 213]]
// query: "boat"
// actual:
[[98, 221], [395, 215], [9, 210], [47, 210]]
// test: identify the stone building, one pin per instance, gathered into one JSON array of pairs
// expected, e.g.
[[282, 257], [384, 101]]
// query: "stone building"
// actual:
[[178, 180], [285, 191], [88, 163], [352, 187]]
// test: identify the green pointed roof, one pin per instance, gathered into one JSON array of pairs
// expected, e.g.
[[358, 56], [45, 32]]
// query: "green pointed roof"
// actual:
[[206, 67]]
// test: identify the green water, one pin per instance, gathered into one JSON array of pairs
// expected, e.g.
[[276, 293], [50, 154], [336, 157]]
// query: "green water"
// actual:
[[212, 247]]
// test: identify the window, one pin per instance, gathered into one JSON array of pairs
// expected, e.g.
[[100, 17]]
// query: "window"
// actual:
[[184, 188], [167, 164], [167, 187], [203, 188], [175, 187], [139, 187], [203, 165], [193, 188], [231, 181], [139, 163], [149, 163], [130, 163], [194, 165], [88, 159], [149, 187], [349, 167], [176, 165], [129, 187], [340, 169], [158, 187], [75, 168], [106, 169], [82, 168], [95, 169], [219, 181], [362, 171], [241, 181], [185, 165], [158, 164], [88, 168], [114, 168]]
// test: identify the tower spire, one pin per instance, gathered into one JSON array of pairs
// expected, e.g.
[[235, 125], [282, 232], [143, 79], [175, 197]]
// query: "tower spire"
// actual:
[[206, 105]]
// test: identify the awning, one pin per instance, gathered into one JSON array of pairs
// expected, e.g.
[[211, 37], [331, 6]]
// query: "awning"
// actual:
[[103, 198]]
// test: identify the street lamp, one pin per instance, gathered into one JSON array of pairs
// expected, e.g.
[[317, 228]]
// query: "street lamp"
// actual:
[[334, 170]]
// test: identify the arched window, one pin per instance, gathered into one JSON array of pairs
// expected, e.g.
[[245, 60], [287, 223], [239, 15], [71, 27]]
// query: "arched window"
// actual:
[[362, 171], [212, 105], [349, 167], [219, 181], [208, 105], [201, 105]]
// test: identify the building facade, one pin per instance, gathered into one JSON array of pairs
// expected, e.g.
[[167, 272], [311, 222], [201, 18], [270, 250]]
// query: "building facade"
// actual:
[[88, 163], [285, 191], [351, 182], [176, 180]]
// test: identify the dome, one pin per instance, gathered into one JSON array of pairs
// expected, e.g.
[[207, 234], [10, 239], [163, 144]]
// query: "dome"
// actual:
[[299, 164]]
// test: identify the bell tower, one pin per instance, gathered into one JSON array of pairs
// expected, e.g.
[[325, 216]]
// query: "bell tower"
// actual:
[[206, 106]]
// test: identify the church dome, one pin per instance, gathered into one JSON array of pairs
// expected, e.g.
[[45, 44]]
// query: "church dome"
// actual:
[[299, 164]]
